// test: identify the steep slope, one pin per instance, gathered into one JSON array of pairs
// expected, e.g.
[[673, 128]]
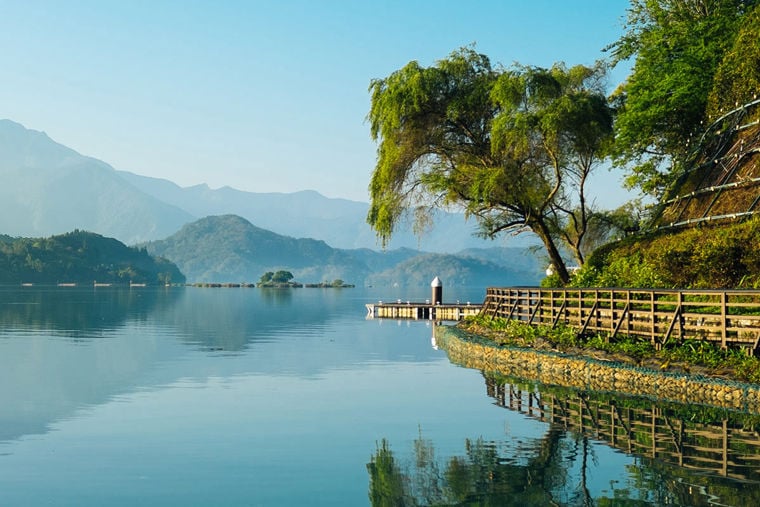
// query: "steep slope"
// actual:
[[47, 188]]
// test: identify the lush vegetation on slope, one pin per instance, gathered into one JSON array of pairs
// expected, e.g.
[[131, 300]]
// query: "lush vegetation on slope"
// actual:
[[724, 257], [80, 257], [737, 79], [662, 107], [695, 61]]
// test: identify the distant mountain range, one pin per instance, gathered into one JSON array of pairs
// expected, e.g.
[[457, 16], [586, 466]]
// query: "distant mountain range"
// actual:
[[228, 248], [47, 188]]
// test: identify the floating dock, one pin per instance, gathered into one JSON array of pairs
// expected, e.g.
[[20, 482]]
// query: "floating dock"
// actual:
[[421, 310]]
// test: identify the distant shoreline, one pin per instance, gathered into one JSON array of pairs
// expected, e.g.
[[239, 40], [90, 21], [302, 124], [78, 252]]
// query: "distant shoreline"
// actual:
[[196, 284], [289, 285]]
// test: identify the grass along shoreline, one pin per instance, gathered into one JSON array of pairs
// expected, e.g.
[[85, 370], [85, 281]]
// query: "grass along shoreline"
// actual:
[[689, 357]]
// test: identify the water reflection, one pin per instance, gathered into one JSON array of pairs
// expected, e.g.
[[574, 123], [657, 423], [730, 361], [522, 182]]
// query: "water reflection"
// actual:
[[213, 319], [681, 455], [483, 475], [77, 312], [119, 340], [142, 405], [220, 319], [274, 296], [714, 441]]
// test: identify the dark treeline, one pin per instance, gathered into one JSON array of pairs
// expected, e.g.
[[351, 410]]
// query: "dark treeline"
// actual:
[[80, 257]]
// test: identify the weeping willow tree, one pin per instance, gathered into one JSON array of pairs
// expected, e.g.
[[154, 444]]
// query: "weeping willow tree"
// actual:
[[513, 147]]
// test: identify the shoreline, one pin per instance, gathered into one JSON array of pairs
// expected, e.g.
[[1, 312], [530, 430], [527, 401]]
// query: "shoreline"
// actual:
[[566, 370]]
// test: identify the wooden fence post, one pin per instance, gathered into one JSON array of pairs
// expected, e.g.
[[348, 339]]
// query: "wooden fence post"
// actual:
[[723, 320], [652, 318]]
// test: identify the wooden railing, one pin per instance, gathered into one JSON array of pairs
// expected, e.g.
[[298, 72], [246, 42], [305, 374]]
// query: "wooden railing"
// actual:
[[728, 318]]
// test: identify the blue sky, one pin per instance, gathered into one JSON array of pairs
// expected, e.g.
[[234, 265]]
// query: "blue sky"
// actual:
[[264, 96]]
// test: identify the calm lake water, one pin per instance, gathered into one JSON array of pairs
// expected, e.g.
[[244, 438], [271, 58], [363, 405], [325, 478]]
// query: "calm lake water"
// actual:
[[190, 396]]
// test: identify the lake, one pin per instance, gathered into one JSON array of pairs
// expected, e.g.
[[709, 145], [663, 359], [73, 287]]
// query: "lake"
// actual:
[[242, 396]]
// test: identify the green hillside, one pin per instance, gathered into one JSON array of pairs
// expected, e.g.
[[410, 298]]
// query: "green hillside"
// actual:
[[688, 132], [80, 257], [718, 257], [229, 248]]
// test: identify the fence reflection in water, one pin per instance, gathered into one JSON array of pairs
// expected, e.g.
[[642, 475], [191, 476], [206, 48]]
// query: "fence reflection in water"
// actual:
[[712, 440]]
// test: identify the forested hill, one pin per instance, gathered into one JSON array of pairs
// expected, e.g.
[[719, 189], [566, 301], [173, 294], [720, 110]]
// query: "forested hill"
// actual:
[[229, 248], [80, 257]]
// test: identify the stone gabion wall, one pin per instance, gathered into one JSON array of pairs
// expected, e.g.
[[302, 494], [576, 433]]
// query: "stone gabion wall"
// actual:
[[571, 371]]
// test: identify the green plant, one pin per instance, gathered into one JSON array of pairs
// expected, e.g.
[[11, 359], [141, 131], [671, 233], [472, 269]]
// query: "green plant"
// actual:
[[695, 352]]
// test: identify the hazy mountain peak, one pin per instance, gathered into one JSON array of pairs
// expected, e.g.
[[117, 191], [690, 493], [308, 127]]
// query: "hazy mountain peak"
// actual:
[[47, 188], [22, 147], [228, 248]]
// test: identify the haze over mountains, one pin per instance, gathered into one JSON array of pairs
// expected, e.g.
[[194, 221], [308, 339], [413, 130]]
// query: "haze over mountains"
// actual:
[[231, 235], [228, 248], [47, 188]]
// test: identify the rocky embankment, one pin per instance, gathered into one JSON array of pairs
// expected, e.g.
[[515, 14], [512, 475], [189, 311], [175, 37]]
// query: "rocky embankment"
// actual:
[[557, 368]]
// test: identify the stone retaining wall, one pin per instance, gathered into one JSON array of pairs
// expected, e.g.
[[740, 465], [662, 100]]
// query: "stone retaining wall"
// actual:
[[553, 368]]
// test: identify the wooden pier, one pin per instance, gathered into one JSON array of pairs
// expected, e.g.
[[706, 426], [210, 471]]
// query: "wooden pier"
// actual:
[[421, 310]]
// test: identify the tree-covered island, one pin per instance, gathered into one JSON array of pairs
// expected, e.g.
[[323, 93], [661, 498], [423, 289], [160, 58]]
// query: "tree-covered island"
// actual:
[[515, 148], [284, 279]]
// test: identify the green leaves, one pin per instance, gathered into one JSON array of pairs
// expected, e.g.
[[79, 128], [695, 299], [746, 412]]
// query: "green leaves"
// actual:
[[427, 121], [509, 146], [678, 46], [737, 79]]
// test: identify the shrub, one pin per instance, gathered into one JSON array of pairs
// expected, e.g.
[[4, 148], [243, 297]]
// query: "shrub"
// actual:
[[720, 257]]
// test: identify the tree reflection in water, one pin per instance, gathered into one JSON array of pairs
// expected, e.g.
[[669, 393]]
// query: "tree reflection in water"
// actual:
[[558, 468], [482, 476]]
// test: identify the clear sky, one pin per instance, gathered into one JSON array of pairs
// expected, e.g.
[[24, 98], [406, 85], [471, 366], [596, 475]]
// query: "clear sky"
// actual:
[[264, 96]]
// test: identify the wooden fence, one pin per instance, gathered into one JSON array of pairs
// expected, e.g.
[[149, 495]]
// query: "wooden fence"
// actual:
[[728, 318]]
